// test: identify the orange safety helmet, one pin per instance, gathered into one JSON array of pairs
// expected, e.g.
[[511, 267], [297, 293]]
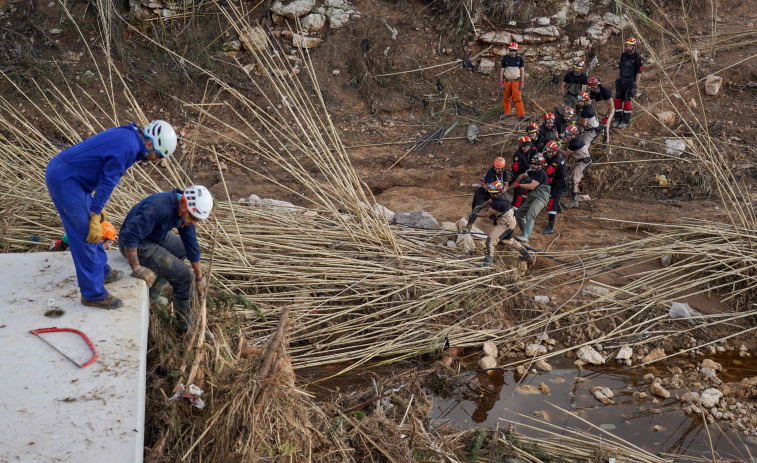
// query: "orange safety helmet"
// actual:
[[631, 41], [109, 231], [524, 141], [500, 163], [593, 81], [549, 117], [513, 46]]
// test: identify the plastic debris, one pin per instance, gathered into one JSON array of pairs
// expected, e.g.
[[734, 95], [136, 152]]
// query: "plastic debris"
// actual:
[[681, 310], [190, 392]]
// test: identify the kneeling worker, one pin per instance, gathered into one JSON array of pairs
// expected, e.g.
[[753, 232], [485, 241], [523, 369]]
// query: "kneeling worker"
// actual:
[[499, 210], [156, 255]]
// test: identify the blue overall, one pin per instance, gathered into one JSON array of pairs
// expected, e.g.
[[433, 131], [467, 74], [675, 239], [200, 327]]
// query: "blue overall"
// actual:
[[147, 227], [94, 165]]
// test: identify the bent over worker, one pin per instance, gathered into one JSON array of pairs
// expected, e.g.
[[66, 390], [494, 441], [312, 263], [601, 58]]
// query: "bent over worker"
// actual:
[[498, 209], [156, 255], [96, 165], [496, 173], [512, 79]]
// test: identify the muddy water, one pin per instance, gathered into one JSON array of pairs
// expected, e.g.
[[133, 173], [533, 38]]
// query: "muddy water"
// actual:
[[492, 397]]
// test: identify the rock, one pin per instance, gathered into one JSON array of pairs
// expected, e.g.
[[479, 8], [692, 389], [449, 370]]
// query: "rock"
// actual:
[[675, 147], [451, 244], [487, 363], [624, 353], [532, 350], [417, 219], [654, 356], [490, 349], [657, 428], [339, 12], [581, 7], [387, 213], [234, 45], [301, 41], [314, 22], [544, 389], [485, 66], [55, 31], [583, 42], [595, 291], [253, 38], [541, 300], [542, 365], [693, 103], [589, 355], [520, 371], [690, 397], [528, 389], [712, 365], [543, 21], [710, 397], [279, 207], [640, 394], [709, 375], [497, 37], [666, 260], [712, 84], [667, 118], [295, 9], [336, 72], [659, 391], [602, 394], [472, 133], [547, 31], [465, 243], [254, 200]]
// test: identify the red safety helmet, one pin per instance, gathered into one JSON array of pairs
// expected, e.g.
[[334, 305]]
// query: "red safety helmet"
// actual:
[[631, 41], [532, 128], [500, 163], [496, 188], [578, 64], [524, 141], [583, 97], [568, 111], [593, 82], [571, 130], [551, 146], [549, 117], [513, 46]]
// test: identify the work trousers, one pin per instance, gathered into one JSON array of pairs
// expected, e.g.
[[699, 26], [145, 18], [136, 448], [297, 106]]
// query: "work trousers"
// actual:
[[578, 172], [73, 206], [504, 223], [166, 259], [512, 90]]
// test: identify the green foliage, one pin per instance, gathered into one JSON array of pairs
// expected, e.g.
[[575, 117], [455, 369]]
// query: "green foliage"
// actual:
[[481, 438]]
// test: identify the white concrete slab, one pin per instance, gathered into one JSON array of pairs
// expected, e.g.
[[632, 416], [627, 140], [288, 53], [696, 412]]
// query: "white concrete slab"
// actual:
[[51, 410]]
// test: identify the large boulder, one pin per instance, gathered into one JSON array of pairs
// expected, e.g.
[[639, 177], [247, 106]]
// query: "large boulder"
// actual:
[[292, 10], [416, 219]]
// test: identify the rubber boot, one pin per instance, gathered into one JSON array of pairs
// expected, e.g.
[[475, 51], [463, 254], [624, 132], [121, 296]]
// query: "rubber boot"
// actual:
[[525, 255], [550, 226], [617, 118], [527, 229], [156, 289], [626, 120], [574, 202], [558, 207], [521, 223], [488, 261], [183, 314]]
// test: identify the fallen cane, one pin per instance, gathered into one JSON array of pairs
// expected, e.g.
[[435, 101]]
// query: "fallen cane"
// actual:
[[39, 331]]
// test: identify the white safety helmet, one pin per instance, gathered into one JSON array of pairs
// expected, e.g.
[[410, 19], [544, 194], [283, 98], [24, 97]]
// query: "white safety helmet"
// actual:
[[199, 201], [163, 137]]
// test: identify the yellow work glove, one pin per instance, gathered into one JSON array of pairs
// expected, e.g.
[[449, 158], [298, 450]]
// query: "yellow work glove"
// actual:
[[102, 216], [95, 234], [144, 273]]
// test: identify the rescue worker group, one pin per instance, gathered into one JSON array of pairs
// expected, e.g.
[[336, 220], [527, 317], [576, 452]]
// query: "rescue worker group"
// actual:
[[80, 180], [539, 175]]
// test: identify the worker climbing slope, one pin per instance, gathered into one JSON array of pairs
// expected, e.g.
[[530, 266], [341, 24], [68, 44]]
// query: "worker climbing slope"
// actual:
[[96, 165]]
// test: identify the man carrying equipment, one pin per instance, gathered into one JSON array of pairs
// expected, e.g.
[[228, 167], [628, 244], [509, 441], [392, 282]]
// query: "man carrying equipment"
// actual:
[[548, 130], [499, 210], [557, 174], [156, 255], [535, 181], [577, 149], [96, 165], [496, 173], [601, 99], [512, 79], [520, 165], [629, 74], [588, 123], [574, 83]]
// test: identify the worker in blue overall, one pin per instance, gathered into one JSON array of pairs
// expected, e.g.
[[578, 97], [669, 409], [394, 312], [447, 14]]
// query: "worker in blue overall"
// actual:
[[96, 165], [156, 255]]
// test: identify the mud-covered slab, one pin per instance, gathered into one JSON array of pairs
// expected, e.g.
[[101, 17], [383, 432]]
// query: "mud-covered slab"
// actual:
[[50, 409]]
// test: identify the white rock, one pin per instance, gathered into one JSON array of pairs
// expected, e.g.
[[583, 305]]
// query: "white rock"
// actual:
[[279, 207], [690, 397], [542, 365], [659, 391], [666, 260], [487, 363], [712, 84], [583, 42], [533, 350], [624, 353], [541, 299], [543, 21], [709, 375], [485, 66], [336, 72], [490, 349], [314, 22], [589, 355], [595, 291], [712, 365], [465, 243], [253, 38], [710, 397], [603, 394], [383, 211], [419, 219], [547, 31], [338, 17], [301, 41], [497, 37], [295, 9], [675, 147], [55, 31], [254, 200], [667, 118], [451, 244]]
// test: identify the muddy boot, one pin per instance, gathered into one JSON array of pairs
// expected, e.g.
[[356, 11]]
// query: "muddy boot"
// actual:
[[528, 227], [114, 275], [183, 314], [626, 120], [550, 226], [488, 261], [156, 289], [525, 255], [108, 304], [559, 207], [573, 203], [617, 118]]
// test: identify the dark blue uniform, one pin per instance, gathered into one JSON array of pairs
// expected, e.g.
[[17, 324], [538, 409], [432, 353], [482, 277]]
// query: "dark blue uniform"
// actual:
[[93, 166], [147, 227], [520, 165]]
